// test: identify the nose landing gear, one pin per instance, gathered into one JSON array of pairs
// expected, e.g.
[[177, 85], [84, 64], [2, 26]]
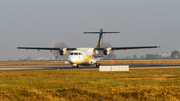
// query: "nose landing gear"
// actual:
[[75, 66]]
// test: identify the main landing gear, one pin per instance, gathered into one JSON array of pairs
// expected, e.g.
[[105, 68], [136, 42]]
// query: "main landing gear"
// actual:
[[97, 65]]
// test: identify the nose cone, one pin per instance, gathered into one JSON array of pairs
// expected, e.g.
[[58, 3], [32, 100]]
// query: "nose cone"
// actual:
[[72, 59]]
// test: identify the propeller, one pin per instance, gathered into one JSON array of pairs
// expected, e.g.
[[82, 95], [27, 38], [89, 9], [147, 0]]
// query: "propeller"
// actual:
[[112, 54], [56, 53]]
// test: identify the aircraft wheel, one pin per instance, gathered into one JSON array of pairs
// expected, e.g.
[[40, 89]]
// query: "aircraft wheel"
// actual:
[[97, 65], [75, 66]]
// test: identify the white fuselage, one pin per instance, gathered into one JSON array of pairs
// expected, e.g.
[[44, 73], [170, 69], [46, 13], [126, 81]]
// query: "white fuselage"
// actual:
[[84, 56]]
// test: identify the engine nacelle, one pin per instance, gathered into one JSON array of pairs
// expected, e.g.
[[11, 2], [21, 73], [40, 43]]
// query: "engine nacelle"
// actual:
[[107, 51], [63, 51], [92, 61]]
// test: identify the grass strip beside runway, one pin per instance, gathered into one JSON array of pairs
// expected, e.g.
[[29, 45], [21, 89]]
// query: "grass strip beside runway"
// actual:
[[137, 84], [170, 61]]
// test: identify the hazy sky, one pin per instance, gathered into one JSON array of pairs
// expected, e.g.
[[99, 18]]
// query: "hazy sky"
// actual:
[[44, 22]]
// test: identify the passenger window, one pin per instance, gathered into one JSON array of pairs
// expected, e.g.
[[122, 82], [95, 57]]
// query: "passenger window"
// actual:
[[71, 53]]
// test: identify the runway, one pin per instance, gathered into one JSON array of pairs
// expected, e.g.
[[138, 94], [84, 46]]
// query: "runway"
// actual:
[[68, 67], [44, 67]]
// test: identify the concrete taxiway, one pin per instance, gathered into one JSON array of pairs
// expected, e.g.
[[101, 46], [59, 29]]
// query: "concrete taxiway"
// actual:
[[68, 67]]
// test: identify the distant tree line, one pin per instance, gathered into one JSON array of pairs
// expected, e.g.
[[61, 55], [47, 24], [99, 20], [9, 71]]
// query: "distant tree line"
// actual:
[[174, 55], [26, 59]]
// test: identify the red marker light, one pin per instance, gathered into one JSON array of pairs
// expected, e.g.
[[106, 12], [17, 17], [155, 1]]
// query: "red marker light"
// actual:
[[111, 61]]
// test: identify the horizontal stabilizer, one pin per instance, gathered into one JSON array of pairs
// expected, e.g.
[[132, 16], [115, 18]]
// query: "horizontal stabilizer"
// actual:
[[99, 32], [100, 45]]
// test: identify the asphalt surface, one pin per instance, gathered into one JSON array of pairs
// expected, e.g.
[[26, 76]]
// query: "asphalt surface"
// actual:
[[68, 67]]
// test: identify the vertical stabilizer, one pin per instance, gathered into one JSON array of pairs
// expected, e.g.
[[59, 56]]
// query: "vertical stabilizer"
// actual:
[[100, 41]]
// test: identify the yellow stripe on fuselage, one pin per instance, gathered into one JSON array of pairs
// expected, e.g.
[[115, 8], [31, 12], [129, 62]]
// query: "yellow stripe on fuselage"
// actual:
[[87, 58], [78, 62]]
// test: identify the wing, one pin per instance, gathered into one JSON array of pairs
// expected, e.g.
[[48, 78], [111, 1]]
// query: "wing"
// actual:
[[124, 48], [111, 48], [42, 48]]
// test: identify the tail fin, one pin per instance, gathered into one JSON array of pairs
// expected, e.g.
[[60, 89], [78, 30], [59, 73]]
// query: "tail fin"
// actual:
[[100, 41]]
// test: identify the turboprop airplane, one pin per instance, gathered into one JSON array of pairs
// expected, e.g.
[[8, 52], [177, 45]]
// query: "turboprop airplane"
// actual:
[[88, 56]]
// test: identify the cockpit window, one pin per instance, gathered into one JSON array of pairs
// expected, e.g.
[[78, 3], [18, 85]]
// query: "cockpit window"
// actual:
[[75, 53]]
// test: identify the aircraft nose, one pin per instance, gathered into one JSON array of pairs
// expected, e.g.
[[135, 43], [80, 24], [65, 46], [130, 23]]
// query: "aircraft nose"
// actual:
[[72, 60]]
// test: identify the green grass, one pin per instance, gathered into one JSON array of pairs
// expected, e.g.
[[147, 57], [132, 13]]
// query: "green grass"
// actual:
[[137, 84], [168, 61]]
